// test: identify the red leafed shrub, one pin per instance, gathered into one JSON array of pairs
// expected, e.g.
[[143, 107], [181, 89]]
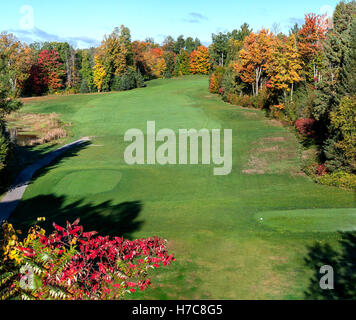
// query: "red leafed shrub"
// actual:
[[72, 264], [322, 170], [306, 127]]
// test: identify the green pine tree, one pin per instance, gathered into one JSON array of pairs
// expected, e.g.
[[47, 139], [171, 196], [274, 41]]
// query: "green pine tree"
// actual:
[[348, 72]]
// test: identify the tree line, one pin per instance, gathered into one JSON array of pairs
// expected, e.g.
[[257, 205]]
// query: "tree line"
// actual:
[[306, 79], [117, 64]]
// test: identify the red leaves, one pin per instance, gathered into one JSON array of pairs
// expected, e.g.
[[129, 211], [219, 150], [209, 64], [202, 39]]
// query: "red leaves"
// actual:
[[101, 266], [89, 234], [305, 127], [311, 35], [28, 252], [50, 69], [322, 170], [58, 228]]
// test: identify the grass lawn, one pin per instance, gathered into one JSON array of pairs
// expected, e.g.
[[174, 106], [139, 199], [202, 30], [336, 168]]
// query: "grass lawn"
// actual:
[[242, 236]]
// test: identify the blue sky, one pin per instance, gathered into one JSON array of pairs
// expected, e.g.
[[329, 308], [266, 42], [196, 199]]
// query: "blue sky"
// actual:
[[85, 22]]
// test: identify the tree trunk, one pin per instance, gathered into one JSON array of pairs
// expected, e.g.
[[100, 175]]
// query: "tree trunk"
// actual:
[[291, 93]]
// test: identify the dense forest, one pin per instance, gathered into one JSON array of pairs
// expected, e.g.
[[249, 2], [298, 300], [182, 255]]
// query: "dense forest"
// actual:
[[305, 79]]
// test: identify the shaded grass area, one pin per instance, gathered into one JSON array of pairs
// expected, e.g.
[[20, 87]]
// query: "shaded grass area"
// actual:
[[223, 251]]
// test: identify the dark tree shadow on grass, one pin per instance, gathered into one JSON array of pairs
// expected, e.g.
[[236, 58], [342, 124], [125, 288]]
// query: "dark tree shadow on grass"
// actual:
[[25, 157], [106, 218], [342, 260], [56, 160], [20, 158]]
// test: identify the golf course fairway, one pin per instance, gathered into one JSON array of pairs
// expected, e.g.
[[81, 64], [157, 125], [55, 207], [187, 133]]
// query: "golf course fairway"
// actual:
[[232, 235]]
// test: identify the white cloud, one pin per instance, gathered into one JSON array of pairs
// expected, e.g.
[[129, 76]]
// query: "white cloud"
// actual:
[[328, 10]]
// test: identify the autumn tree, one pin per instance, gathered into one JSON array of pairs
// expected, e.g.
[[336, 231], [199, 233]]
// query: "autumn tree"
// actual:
[[254, 58], [200, 61], [19, 59], [67, 57], [121, 63], [50, 70], [115, 54], [138, 49], [285, 65], [155, 61], [310, 38], [99, 74]]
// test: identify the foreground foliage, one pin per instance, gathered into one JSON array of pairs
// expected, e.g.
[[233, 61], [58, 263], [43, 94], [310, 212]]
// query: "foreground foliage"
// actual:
[[70, 264]]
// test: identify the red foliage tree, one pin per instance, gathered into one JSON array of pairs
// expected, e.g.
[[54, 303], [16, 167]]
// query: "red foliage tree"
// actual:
[[51, 69], [35, 80], [311, 34]]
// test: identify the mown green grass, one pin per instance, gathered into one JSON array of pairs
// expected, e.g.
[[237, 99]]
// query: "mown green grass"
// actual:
[[223, 249]]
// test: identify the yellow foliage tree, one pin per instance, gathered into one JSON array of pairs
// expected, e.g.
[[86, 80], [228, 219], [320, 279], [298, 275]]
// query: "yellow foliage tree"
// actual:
[[99, 74], [285, 65], [200, 61], [120, 61]]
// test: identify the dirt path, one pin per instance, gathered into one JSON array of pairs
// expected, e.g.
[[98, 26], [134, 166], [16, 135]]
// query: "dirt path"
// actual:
[[11, 200]]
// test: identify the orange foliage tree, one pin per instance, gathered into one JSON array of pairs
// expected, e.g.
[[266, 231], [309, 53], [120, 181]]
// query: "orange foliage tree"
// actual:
[[310, 38], [254, 58], [200, 61], [285, 65], [138, 49], [155, 61]]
